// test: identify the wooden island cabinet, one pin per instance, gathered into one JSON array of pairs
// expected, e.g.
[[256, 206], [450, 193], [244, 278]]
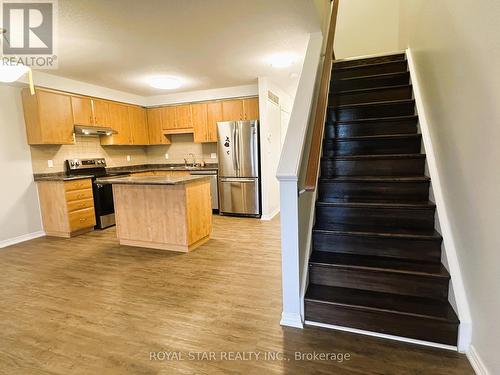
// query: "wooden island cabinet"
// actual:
[[162, 212]]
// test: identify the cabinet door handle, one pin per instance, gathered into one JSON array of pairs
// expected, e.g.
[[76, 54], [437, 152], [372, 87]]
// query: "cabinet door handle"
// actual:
[[82, 219]]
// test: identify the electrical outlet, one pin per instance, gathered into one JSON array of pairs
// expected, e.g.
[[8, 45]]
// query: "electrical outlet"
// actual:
[[213, 155], [129, 158], [166, 156], [50, 163]]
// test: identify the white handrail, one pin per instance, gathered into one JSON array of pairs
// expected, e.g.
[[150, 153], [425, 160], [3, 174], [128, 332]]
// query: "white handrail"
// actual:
[[291, 156]]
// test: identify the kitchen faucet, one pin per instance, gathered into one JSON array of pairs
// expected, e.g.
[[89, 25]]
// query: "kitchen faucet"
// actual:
[[194, 160]]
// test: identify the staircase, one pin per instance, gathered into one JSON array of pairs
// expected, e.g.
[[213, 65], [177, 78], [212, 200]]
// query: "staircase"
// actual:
[[376, 258]]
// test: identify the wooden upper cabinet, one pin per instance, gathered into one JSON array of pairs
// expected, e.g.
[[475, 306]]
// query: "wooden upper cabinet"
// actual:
[[138, 125], [251, 109], [214, 115], [119, 121], [168, 118], [49, 117], [82, 111], [101, 112], [183, 116], [232, 110], [155, 128], [200, 124]]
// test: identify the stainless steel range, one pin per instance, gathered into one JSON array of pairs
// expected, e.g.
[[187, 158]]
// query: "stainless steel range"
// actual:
[[103, 194]]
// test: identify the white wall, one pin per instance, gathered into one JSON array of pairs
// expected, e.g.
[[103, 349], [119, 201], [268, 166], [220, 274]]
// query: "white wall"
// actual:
[[456, 52], [19, 208], [366, 27], [271, 125]]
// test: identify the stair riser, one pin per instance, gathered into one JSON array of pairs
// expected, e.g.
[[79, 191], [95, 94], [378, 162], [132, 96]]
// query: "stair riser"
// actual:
[[419, 328], [378, 281], [350, 218], [371, 147], [379, 95], [392, 67], [369, 83], [359, 130], [370, 111], [373, 191], [399, 248], [379, 167], [369, 60]]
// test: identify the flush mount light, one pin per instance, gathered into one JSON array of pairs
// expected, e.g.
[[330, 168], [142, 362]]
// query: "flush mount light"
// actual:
[[282, 60], [164, 82]]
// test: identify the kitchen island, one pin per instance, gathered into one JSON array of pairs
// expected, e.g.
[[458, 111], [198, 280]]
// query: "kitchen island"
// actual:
[[158, 212]]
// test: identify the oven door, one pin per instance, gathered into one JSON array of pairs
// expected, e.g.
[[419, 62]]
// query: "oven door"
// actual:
[[104, 206]]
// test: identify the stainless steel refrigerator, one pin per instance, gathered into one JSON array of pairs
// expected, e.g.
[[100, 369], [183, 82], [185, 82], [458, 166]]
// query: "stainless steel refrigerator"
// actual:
[[239, 169]]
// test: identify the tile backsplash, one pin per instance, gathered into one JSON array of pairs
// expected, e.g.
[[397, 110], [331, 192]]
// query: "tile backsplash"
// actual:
[[182, 145], [116, 156]]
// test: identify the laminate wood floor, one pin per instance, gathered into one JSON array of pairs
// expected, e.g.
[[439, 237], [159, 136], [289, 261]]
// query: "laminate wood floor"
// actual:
[[89, 306]]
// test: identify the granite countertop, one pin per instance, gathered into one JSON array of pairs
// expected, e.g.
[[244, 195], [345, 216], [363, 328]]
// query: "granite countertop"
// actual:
[[161, 167], [149, 180], [59, 177]]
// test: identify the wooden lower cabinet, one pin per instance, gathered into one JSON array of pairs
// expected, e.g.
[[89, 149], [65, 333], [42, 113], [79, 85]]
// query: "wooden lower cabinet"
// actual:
[[67, 207]]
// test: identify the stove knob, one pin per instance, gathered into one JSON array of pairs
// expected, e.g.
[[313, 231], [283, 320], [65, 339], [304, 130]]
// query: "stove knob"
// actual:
[[72, 163], [77, 163]]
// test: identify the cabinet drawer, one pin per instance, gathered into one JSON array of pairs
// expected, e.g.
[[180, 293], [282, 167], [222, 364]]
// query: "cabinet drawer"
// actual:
[[78, 195], [78, 185], [81, 219], [80, 205]]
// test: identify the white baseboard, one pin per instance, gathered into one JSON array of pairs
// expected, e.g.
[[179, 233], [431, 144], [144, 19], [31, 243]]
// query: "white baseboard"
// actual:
[[449, 246], [270, 216], [19, 239], [476, 362], [381, 335], [291, 320]]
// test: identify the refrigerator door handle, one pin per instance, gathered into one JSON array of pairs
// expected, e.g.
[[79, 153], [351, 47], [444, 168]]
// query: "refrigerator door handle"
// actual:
[[235, 151], [237, 148]]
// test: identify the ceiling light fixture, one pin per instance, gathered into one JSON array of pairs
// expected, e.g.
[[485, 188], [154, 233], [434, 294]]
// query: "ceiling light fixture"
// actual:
[[282, 60], [164, 82]]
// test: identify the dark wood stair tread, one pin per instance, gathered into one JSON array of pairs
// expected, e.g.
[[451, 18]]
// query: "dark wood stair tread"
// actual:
[[369, 60], [376, 137], [377, 233], [368, 104], [374, 120], [371, 89], [377, 156], [373, 263], [370, 76], [374, 179], [364, 66], [392, 303], [409, 205]]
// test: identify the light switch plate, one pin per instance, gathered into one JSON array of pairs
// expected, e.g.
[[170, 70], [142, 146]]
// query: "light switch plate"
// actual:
[[50, 163], [129, 158], [166, 156], [213, 155]]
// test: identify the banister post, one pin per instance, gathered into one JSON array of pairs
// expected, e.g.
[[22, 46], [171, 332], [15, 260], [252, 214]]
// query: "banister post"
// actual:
[[290, 254]]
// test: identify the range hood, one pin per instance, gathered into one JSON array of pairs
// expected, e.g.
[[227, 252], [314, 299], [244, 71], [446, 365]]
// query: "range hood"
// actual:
[[93, 130]]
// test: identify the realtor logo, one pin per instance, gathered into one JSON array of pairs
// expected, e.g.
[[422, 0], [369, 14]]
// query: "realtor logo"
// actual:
[[29, 28]]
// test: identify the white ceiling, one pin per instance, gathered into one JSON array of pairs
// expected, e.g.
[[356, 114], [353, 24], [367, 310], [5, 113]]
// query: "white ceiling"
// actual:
[[207, 43]]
